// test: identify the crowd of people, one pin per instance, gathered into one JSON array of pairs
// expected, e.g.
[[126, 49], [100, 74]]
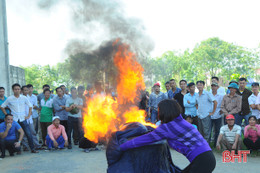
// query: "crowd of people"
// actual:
[[31, 121], [222, 117]]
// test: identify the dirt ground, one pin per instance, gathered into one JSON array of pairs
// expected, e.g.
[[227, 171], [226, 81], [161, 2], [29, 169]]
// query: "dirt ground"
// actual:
[[77, 161]]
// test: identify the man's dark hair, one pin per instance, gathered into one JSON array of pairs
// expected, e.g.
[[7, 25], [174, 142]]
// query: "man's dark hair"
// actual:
[[191, 84], [182, 81], [215, 77], [24, 86], [242, 79], [2, 88], [168, 110], [72, 88], [81, 87], [16, 84], [46, 85], [200, 81], [30, 86], [172, 80], [57, 89], [167, 83], [63, 86], [255, 84], [46, 90], [8, 115]]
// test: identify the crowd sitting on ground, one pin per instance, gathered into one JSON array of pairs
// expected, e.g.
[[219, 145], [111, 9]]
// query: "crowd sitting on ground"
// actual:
[[34, 122]]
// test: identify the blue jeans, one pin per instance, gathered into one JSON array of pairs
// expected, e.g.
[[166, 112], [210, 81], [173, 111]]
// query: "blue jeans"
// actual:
[[60, 142], [239, 118], [27, 132], [217, 123], [154, 116]]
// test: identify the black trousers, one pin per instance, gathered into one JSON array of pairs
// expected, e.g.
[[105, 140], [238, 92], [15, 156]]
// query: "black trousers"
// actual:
[[65, 124], [203, 163], [252, 145], [73, 125], [9, 145]]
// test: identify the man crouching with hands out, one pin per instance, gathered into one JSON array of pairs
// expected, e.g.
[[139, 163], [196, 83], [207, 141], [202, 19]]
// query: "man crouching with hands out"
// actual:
[[8, 136], [57, 137]]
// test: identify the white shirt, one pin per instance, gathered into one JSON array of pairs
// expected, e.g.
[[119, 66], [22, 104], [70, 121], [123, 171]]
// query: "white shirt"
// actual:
[[17, 106], [219, 99], [33, 100], [230, 134], [257, 102]]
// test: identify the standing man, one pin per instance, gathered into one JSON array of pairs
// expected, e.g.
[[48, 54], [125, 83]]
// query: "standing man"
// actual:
[[245, 110], [33, 99], [59, 104], [231, 103], [41, 96], [17, 103], [179, 96], [74, 104], [174, 90], [189, 102], [154, 100], [8, 140], [204, 101], [2, 100], [252, 100], [216, 118], [167, 87], [221, 90]]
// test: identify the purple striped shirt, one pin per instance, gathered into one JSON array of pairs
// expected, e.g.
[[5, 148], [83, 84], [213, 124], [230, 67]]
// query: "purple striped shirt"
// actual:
[[180, 134]]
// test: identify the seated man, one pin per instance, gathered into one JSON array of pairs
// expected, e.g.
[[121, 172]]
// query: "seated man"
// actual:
[[57, 137], [229, 135], [8, 136]]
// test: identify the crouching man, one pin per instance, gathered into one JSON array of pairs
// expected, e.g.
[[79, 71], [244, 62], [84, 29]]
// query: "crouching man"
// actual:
[[8, 139], [229, 136], [57, 137]]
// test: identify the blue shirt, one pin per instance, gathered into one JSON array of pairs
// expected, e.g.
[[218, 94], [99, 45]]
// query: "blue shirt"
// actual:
[[155, 99], [204, 103], [2, 115], [190, 108], [57, 102], [171, 94], [11, 133], [180, 134]]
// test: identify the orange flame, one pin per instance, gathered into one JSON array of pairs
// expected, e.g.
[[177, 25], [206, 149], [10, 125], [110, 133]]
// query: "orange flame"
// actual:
[[103, 114]]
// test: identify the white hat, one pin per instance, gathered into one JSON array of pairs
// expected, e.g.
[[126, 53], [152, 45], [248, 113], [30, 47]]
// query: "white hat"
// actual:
[[55, 117]]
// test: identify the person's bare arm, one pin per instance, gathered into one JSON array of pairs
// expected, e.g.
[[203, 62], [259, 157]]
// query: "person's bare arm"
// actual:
[[21, 132], [218, 141], [215, 107]]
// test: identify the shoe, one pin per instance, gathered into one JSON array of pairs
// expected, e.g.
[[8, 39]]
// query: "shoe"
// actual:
[[70, 147], [2, 156], [86, 150], [34, 151]]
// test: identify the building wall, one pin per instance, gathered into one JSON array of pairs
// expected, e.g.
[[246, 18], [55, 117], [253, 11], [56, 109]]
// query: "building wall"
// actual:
[[17, 75]]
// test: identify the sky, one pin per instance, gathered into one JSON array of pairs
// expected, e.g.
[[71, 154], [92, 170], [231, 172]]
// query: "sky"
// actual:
[[39, 37]]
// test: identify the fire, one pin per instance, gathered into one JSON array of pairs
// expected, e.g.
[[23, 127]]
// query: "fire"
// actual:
[[103, 114]]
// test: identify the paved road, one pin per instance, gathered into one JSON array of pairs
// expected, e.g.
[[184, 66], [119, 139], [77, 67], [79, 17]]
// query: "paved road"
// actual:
[[77, 161]]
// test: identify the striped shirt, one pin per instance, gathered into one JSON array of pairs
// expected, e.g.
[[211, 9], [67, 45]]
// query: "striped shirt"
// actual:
[[230, 134], [17, 106], [180, 134]]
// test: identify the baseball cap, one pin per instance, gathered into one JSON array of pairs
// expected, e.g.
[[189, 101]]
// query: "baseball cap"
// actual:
[[214, 83], [55, 117], [157, 84], [230, 117]]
